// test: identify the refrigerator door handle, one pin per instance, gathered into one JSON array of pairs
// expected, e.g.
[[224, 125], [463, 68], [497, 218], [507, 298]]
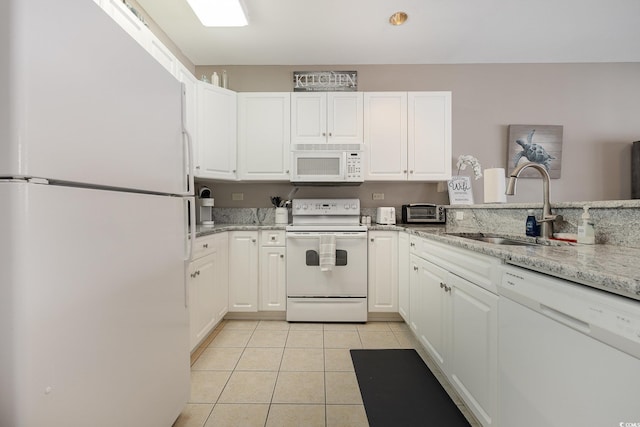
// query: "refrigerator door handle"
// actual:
[[190, 238], [188, 142], [186, 137]]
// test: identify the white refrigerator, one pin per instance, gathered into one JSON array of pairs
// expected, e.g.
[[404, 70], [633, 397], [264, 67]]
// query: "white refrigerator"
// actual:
[[94, 194]]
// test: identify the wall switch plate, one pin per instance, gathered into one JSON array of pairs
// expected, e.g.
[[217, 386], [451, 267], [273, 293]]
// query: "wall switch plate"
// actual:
[[378, 196], [237, 196], [459, 215]]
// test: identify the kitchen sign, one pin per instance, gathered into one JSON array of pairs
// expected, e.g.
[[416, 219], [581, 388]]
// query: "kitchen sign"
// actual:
[[325, 81]]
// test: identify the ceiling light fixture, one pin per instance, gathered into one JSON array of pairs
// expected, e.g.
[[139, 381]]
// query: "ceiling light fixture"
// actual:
[[219, 13], [398, 18]]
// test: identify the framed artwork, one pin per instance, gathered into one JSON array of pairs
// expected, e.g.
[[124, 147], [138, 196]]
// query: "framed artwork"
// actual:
[[460, 192], [540, 144]]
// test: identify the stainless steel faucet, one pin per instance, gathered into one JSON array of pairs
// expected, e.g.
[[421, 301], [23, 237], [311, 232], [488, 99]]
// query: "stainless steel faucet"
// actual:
[[546, 226]]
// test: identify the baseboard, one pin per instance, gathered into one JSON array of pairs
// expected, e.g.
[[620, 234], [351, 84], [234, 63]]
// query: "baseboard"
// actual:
[[281, 315]]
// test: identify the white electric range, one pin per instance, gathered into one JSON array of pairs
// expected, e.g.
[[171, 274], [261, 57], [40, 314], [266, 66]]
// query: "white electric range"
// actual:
[[326, 262]]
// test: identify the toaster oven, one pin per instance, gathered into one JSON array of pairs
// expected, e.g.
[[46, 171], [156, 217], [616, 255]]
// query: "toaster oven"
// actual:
[[417, 213]]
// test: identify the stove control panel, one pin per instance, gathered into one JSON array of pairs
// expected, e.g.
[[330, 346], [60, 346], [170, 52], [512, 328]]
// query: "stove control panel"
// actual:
[[326, 207]]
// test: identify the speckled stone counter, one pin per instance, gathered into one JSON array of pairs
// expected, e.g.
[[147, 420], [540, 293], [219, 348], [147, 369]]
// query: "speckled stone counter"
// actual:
[[611, 268], [219, 228], [615, 221], [614, 266]]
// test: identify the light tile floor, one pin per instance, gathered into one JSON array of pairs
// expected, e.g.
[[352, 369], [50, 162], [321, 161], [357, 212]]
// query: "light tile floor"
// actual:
[[275, 373]]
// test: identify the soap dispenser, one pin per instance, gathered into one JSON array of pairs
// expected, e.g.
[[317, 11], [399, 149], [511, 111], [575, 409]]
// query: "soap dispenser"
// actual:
[[531, 227], [586, 233]]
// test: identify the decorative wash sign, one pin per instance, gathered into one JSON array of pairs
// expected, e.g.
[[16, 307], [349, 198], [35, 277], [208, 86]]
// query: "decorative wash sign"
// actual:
[[321, 81]]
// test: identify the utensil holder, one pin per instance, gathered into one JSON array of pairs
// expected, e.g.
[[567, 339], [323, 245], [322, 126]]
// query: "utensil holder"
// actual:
[[282, 216]]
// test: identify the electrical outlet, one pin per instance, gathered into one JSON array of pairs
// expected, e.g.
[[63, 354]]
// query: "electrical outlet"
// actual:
[[237, 196], [459, 215], [378, 196]]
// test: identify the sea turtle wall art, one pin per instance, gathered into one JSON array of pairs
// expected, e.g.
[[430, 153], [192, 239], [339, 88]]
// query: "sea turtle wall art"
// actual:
[[535, 143]]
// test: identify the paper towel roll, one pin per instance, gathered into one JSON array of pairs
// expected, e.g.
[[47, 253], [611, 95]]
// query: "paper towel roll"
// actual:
[[494, 186]]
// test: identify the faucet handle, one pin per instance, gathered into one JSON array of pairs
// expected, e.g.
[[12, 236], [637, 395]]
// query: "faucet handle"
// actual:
[[551, 218]]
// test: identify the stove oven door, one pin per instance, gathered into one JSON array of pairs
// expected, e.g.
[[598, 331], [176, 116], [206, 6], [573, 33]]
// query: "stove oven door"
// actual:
[[348, 278]]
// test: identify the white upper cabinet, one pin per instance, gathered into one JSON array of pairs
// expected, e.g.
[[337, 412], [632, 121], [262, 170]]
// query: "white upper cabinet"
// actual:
[[215, 144], [326, 117], [163, 55], [429, 136], [407, 136], [385, 136], [264, 135]]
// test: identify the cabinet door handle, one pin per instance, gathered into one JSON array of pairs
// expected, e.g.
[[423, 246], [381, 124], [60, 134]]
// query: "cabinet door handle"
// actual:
[[281, 256], [330, 134], [372, 239], [410, 171], [287, 171], [273, 237], [404, 171], [415, 268], [324, 134], [205, 245], [253, 240], [412, 244]]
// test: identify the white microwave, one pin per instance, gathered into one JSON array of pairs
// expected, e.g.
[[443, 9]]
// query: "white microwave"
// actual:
[[327, 164]]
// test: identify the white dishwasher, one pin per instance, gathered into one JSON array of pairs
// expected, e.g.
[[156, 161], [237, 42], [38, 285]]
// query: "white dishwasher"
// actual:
[[568, 355]]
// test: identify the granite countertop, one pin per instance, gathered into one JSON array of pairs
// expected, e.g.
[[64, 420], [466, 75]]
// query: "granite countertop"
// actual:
[[219, 228], [608, 267]]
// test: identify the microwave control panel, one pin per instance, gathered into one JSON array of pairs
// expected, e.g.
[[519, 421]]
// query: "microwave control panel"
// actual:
[[353, 165]]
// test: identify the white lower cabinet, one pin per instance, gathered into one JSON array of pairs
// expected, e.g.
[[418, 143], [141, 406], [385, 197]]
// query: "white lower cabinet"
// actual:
[[243, 271], [474, 347], [383, 271], [456, 319], [207, 278], [273, 271], [430, 308]]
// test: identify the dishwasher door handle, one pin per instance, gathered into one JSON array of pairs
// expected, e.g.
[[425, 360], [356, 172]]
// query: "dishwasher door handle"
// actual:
[[566, 319]]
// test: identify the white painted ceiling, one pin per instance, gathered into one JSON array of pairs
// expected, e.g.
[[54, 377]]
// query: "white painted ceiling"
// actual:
[[308, 32]]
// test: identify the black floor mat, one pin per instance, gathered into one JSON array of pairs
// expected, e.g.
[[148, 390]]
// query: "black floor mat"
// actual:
[[398, 389]]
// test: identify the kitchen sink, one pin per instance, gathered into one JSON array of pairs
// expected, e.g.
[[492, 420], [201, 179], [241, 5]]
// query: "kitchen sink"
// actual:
[[496, 240]]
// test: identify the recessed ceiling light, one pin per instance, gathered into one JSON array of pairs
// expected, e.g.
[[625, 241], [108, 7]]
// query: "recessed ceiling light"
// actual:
[[219, 13], [398, 18]]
